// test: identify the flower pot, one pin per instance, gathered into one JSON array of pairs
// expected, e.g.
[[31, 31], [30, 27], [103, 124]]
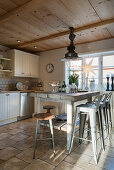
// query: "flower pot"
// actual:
[[92, 86]]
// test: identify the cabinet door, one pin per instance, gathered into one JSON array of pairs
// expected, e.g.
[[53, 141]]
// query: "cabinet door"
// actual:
[[26, 63], [3, 106], [13, 105], [18, 63], [34, 65]]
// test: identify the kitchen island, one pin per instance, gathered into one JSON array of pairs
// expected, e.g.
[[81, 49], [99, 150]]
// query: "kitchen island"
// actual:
[[70, 99]]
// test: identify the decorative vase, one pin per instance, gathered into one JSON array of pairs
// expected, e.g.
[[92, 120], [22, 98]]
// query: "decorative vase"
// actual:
[[73, 88], [92, 86]]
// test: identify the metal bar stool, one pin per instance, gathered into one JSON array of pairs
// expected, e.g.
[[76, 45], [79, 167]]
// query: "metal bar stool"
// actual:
[[108, 111], [43, 116], [103, 113], [90, 109], [49, 108]]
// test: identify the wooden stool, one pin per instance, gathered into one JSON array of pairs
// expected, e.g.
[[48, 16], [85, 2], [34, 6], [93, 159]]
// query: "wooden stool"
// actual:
[[49, 107], [43, 116]]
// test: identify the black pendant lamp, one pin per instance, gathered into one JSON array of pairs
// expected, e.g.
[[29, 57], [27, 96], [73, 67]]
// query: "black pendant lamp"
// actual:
[[71, 54]]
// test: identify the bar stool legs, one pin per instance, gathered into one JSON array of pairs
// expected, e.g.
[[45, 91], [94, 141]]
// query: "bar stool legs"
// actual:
[[81, 126], [36, 136], [93, 134], [73, 131], [52, 135]]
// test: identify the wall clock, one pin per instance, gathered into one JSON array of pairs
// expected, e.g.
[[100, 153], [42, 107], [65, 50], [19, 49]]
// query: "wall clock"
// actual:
[[49, 68]]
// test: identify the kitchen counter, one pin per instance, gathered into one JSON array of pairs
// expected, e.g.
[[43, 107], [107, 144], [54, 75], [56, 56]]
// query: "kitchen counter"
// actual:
[[20, 91]]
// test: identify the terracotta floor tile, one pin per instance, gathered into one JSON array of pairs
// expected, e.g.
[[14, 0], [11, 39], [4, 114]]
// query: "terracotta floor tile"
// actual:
[[80, 160], [93, 167], [54, 159], [105, 162], [13, 164], [4, 143], [19, 137], [64, 166], [15, 131], [27, 155], [39, 165], [9, 152], [4, 135]]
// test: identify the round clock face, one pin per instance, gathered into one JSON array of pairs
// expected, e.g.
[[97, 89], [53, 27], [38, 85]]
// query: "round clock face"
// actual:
[[49, 68]]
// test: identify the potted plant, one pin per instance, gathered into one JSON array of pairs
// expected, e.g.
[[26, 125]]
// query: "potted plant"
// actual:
[[73, 78], [92, 84]]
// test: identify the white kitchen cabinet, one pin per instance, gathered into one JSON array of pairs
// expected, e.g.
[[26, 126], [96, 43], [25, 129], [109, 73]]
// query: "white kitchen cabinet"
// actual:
[[13, 104], [9, 105], [25, 64], [34, 65], [21, 63], [3, 106]]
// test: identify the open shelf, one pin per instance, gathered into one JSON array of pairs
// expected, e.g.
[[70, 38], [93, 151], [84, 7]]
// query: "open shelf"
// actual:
[[6, 71], [7, 59]]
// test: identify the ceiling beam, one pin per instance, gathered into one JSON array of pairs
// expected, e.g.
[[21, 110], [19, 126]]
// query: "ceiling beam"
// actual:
[[87, 27], [26, 7], [54, 48]]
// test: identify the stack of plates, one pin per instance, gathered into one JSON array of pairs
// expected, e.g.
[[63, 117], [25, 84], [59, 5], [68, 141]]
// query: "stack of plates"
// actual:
[[21, 86]]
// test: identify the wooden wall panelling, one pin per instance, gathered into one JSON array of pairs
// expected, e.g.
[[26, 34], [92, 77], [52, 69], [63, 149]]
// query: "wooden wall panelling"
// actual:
[[41, 28], [7, 5], [53, 21], [2, 11], [23, 27], [104, 8], [20, 32], [111, 28], [20, 2], [73, 13], [82, 11], [25, 8]]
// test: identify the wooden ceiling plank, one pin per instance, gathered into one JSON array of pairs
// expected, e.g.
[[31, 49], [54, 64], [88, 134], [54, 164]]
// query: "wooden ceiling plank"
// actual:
[[105, 9], [59, 47], [82, 11], [27, 7], [7, 5], [98, 24], [50, 19], [18, 2], [42, 28]]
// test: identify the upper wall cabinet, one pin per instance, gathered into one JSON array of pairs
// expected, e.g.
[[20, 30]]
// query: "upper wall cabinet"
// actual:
[[25, 64]]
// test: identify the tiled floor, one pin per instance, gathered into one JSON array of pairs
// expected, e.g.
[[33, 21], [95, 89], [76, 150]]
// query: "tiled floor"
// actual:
[[16, 151]]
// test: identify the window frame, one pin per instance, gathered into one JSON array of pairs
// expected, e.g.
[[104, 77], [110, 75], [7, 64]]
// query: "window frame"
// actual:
[[100, 61]]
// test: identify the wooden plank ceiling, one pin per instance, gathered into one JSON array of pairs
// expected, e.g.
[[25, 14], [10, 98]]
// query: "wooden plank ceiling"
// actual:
[[41, 25]]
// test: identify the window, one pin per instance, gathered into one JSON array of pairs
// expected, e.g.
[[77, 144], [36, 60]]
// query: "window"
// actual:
[[94, 73], [108, 67], [102, 64], [75, 67]]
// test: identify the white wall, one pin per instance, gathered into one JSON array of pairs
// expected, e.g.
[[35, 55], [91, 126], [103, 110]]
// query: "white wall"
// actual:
[[54, 57]]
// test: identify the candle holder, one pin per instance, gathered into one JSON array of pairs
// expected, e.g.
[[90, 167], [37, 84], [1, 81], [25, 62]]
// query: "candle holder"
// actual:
[[107, 83], [112, 85]]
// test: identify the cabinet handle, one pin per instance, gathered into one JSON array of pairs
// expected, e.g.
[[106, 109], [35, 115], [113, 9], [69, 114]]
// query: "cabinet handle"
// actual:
[[7, 94], [22, 73]]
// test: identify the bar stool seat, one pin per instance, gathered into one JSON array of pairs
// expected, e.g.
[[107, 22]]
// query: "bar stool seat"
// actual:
[[43, 116], [49, 108]]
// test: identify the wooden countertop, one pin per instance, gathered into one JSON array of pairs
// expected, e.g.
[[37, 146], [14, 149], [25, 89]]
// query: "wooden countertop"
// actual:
[[20, 91], [64, 96]]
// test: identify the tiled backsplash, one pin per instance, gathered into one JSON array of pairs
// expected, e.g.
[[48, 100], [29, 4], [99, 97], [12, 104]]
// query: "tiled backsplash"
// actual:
[[8, 82]]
